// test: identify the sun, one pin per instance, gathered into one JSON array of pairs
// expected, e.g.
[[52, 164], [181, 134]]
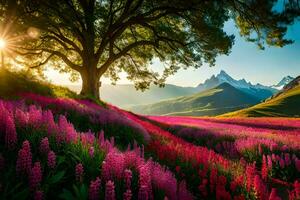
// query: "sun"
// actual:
[[2, 44]]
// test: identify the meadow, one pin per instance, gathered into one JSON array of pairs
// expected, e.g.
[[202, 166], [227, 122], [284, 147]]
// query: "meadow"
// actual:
[[77, 149]]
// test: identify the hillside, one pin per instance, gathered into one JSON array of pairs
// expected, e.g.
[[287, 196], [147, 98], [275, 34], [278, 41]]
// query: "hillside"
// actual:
[[221, 99], [284, 104], [126, 95]]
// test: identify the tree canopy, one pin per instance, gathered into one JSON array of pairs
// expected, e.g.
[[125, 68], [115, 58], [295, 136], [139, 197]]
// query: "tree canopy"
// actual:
[[105, 37]]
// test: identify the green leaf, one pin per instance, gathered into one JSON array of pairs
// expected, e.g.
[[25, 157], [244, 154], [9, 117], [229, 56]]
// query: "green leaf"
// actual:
[[67, 195], [57, 177], [24, 194]]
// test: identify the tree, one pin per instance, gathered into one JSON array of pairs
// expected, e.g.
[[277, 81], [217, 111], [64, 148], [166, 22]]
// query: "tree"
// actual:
[[104, 37]]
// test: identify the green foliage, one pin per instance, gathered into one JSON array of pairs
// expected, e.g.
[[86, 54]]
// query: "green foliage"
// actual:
[[14, 83], [97, 38]]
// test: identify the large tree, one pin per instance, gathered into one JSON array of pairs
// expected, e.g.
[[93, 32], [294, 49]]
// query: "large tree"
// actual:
[[104, 37]]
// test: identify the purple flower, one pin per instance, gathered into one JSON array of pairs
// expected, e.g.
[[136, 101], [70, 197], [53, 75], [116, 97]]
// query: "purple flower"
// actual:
[[94, 189], [127, 195], [79, 172], [35, 176], [10, 133], [127, 178], [51, 161], [91, 152], [2, 162], [38, 195], [44, 146], [110, 191], [24, 159]]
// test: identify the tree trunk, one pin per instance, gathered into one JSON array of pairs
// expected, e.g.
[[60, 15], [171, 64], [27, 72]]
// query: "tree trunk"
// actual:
[[90, 84]]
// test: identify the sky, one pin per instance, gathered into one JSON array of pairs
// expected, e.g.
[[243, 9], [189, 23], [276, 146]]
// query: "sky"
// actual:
[[266, 67]]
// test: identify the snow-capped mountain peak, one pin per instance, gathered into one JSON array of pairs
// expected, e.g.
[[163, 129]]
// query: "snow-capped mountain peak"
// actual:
[[257, 90], [283, 82]]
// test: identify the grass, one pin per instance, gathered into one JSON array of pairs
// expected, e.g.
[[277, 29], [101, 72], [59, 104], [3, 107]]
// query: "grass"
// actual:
[[283, 105]]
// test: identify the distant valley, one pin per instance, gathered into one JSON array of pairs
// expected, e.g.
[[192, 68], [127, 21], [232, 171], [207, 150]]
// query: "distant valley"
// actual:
[[217, 95]]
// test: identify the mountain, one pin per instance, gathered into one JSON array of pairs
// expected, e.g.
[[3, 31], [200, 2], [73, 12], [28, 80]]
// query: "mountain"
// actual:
[[221, 99], [284, 104], [283, 82], [126, 95], [261, 92]]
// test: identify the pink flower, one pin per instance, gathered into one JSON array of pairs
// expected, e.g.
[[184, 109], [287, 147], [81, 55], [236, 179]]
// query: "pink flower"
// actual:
[[127, 195], [264, 168], [35, 176], [2, 162], [260, 188], [128, 177], [21, 118], [24, 160], [297, 164], [51, 161], [143, 193], [213, 179], [274, 195], [110, 191], [10, 133], [250, 173], [94, 189], [79, 172], [270, 163], [44, 146], [281, 163], [91, 152], [38, 195]]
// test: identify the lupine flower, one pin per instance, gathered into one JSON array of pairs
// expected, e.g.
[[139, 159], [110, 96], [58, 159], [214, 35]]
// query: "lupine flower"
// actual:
[[2, 162], [264, 168], [143, 193], [270, 163], [79, 172], [91, 152], [203, 187], [110, 191], [213, 179], [10, 133], [250, 173], [35, 176], [21, 118], [281, 163], [127, 178], [297, 164], [24, 160], [38, 195], [44, 146], [127, 195], [51, 161], [274, 195], [94, 189], [260, 188]]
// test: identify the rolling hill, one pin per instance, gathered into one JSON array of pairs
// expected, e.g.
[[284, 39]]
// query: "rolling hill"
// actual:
[[126, 95], [221, 99], [283, 104]]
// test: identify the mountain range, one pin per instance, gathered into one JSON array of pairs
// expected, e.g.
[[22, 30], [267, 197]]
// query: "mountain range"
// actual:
[[126, 96], [283, 104], [221, 99]]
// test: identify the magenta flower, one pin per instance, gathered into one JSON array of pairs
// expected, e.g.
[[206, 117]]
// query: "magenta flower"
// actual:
[[297, 164], [21, 118], [24, 160], [274, 195], [143, 193], [51, 161], [94, 189], [38, 195], [91, 152], [35, 176], [264, 168], [44, 146], [79, 172], [10, 133], [2, 162], [127, 195], [110, 191], [127, 178]]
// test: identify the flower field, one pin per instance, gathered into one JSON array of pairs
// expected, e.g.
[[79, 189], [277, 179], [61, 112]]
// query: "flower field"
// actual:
[[57, 148]]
